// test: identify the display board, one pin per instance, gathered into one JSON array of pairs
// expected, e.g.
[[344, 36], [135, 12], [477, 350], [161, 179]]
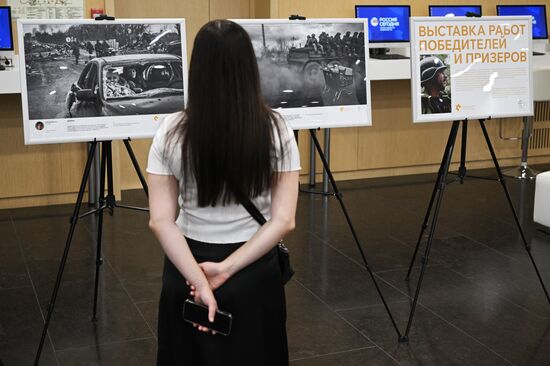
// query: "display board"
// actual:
[[314, 72], [471, 68], [83, 79]]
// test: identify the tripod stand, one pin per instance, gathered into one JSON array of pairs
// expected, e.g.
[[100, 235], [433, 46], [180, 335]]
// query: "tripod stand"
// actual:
[[105, 202], [339, 196], [439, 188]]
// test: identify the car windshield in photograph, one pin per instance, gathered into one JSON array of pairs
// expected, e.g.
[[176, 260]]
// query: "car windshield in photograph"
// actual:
[[141, 80]]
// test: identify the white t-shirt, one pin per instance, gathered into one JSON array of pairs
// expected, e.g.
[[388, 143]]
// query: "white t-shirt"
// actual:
[[221, 224]]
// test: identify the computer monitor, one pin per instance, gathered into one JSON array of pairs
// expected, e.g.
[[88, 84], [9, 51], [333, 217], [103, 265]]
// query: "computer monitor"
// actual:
[[6, 36], [454, 10], [388, 24], [538, 12]]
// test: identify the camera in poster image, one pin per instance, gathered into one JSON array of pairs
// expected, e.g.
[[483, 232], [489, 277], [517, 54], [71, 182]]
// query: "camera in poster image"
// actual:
[[435, 80], [92, 70], [310, 64]]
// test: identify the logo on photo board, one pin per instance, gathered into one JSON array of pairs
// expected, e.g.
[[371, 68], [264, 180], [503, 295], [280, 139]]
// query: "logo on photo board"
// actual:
[[374, 22]]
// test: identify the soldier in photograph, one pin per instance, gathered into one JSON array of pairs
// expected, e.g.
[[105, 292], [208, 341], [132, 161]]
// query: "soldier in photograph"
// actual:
[[346, 42], [104, 48], [318, 48], [90, 49], [338, 44], [98, 49], [434, 81], [324, 40], [308, 41], [355, 45], [76, 52]]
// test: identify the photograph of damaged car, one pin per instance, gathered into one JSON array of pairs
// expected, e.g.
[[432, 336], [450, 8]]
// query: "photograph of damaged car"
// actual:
[[98, 69]]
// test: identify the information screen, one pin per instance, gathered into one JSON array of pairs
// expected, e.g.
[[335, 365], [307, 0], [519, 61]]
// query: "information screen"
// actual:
[[6, 40], [386, 23], [454, 10], [538, 12]]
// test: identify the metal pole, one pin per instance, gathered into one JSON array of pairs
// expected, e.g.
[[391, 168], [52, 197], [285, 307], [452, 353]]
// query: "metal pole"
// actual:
[[93, 180], [327, 156], [311, 162], [523, 171]]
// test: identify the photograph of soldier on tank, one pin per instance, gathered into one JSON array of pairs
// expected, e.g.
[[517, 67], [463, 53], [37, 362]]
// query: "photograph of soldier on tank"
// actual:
[[435, 81], [310, 64], [103, 69]]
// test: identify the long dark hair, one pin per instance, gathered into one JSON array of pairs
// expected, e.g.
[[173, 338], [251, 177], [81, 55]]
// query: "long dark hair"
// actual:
[[227, 132]]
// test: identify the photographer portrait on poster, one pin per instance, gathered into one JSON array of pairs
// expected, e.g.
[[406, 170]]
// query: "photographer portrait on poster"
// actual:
[[435, 81], [96, 70]]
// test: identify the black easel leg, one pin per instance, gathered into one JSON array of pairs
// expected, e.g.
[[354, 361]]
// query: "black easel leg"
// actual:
[[441, 188], [102, 205], [518, 224], [438, 182], [111, 200], [136, 166], [344, 210], [74, 220], [462, 168]]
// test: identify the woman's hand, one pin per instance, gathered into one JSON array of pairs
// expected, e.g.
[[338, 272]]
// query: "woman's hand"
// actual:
[[204, 295], [216, 273]]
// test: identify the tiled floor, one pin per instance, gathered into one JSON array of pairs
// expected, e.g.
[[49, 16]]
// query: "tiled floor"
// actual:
[[481, 303]]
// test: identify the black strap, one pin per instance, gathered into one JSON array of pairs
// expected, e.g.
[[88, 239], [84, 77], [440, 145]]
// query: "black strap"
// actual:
[[257, 215], [252, 209]]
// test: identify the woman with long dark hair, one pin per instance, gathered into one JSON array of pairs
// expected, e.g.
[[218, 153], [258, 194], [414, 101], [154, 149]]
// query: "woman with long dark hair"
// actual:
[[226, 145]]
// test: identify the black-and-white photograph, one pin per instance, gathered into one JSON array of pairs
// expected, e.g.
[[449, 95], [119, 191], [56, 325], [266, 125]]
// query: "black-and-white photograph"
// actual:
[[97, 69], [310, 64]]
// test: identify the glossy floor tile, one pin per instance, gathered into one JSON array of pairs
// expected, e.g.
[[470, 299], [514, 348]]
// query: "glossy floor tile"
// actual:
[[480, 302]]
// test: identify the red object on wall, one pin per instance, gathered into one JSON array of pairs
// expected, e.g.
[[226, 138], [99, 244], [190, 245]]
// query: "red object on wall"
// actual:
[[96, 12]]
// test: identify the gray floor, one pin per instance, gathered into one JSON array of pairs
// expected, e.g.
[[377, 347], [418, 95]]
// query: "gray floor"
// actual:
[[481, 303]]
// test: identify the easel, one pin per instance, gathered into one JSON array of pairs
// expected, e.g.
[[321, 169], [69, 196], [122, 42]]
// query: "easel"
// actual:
[[439, 188], [105, 202], [336, 193]]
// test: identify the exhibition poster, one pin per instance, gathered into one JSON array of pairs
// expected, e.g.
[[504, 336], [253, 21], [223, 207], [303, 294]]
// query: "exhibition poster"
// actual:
[[83, 80], [471, 68], [47, 9], [314, 72]]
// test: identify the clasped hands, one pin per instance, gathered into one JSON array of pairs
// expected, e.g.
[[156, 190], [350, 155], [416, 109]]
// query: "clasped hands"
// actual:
[[216, 274]]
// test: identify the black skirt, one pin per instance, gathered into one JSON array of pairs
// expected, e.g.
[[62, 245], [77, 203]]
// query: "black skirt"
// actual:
[[254, 296]]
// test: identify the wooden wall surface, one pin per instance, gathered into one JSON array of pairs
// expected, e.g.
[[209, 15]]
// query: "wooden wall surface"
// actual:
[[47, 174]]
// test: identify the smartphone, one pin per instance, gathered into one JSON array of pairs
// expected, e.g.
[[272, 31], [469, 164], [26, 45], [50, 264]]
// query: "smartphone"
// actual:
[[198, 314]]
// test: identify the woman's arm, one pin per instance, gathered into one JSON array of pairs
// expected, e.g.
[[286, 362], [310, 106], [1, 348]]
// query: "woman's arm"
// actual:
[[163, 206], [284, 197]]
